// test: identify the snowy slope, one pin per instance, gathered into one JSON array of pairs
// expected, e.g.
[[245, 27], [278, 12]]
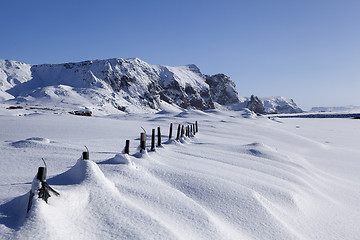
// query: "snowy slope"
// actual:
[[11, 74], [240, 177]]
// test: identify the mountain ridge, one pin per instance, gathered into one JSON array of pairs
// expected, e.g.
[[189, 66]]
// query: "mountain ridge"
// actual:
[[116, 83]]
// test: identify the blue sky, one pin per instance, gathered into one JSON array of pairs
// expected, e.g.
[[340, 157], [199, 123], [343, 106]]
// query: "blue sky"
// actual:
[[301, 49]]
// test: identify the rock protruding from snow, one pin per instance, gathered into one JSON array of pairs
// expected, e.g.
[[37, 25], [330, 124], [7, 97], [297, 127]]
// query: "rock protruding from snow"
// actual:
[[255, 105], [223, 89]]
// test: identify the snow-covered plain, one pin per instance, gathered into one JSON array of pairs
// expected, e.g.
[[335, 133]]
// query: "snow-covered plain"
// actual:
[[240, 177]]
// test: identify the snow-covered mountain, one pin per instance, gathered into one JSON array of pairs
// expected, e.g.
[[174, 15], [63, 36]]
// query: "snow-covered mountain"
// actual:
[[12, 73], [119, 83], [280, 105], [123, 84], [267, 105]]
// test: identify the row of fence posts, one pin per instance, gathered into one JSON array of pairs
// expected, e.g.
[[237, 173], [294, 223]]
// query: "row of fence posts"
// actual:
[[182, 130], [188, 131]]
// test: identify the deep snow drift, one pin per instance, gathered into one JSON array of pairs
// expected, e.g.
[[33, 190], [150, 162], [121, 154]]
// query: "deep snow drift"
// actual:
[[240, 177]]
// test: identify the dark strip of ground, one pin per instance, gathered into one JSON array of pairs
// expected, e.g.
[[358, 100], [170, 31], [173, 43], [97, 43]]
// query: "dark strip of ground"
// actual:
[[321, 115]]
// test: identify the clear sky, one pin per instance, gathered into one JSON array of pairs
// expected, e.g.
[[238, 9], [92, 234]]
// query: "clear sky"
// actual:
[[307, 50]]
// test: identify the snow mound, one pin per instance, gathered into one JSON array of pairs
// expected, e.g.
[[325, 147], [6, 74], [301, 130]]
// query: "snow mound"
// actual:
[[83, 171], [246, 113], [31, 142], [119, 159]]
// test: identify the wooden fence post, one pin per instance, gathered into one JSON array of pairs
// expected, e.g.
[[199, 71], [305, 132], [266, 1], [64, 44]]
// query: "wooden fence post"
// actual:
[[182, 131], [142, 141], [127, 146], [196, 125], [41, 175], [194, 132], [170, 131], [191, 129], [85, 156], [43, 191], [153, 140], [178, 132], [159, 136]]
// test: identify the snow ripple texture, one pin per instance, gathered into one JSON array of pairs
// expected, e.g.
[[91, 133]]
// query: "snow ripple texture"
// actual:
[[238, 178]]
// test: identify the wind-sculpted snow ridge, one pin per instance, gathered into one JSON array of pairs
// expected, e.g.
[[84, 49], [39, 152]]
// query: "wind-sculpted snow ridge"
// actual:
[[237, 178]]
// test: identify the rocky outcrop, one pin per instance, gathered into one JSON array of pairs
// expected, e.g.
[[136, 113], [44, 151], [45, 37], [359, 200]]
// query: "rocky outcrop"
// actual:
[[280, 105], [255, 105], [270, 105], [222, 89]]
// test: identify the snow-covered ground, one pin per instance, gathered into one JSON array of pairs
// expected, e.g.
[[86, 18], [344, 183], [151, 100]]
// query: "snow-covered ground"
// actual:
[[240, 177]]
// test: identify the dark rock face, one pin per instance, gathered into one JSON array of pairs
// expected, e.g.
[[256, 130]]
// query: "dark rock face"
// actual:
[[137, 79], [188, 95], [223, 89], [255, 105], [86, 113]]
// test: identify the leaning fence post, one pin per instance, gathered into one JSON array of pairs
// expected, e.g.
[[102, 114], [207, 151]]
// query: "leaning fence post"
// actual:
[[196, 125], [193, 128], [41, 175], [182, 131], [142, 141], [178, 132], [159, 136], [127, 147], [170, 131], [153, 140], [44, 191]]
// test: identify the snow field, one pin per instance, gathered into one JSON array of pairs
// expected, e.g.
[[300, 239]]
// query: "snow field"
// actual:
[[240, 177]]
